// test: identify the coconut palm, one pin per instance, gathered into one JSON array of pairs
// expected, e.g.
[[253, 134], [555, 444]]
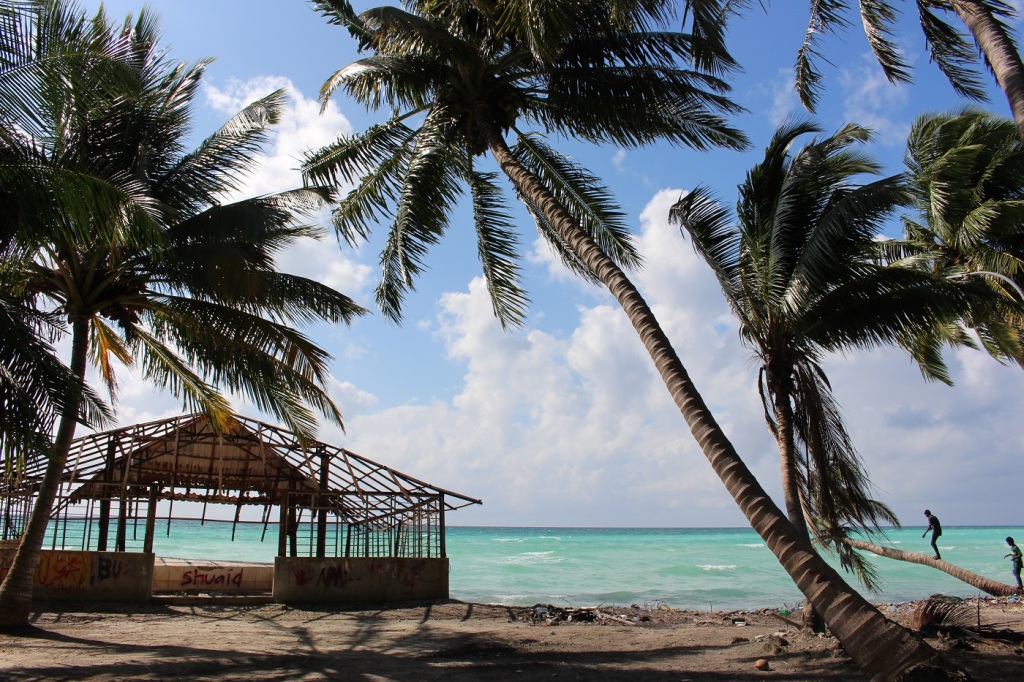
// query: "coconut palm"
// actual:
[[457, 77], [161, 274], [33, 382], [800, 267], [966, 171], [987, 585], [988, 22]]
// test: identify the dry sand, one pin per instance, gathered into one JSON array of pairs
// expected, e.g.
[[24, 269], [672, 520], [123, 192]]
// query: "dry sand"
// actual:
[[456, 641]]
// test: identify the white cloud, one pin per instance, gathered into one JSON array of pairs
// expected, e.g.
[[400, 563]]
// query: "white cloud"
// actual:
[[872, 101], [619, 159], [301, 129], [782, 90], [579, 430], [576, 428]]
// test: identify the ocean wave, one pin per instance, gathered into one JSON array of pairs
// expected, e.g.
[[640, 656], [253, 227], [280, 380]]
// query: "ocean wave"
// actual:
[[509, 539], [527, 558], [549, 537], [511, 599], [715, 567], [756, 544]]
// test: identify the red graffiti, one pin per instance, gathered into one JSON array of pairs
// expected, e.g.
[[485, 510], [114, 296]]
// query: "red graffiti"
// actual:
[[64, 569], [215, 577]]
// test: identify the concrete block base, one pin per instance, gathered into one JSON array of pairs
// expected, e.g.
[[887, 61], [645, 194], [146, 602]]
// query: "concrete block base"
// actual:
[[358, 580]]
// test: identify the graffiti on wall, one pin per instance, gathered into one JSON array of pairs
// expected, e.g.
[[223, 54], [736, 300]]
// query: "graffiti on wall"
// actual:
[[221, 577], [69, 572], [63, 570], [333, 576]]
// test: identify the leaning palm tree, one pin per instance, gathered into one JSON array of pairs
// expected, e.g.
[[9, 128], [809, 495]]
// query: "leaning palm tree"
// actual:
[[987, 585], [800, 268], [457, 78], [164, 275], [989, 23]]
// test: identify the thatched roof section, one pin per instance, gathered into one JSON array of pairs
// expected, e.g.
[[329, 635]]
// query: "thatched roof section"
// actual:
[[252, 464]]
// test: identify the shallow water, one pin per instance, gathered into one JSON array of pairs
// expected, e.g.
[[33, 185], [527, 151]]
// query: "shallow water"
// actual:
[[694, 568]]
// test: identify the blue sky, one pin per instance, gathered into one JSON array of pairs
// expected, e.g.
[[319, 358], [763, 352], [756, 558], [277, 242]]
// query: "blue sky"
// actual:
[[565, 422]]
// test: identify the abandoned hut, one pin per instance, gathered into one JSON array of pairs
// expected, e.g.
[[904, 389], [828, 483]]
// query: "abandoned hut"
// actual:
[[348, 529]]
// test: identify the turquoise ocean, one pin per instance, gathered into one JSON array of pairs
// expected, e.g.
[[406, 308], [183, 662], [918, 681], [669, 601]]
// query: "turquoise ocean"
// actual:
[[691, 568]]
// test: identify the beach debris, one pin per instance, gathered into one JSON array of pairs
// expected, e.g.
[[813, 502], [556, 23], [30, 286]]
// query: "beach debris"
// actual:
[[617, 619], [739, 622], [785, 620], [775, 645], [762, 664], [942, 611], [553, 615]]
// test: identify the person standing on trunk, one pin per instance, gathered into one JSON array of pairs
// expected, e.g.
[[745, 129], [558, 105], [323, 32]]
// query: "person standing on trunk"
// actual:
[[936, 528], [1015, 561]]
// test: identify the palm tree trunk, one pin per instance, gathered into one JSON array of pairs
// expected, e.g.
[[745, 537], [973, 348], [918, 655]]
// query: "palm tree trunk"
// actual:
[[881, 648], [787, 457], [16, 590], [998, 48], [996, 589], [790, 485]]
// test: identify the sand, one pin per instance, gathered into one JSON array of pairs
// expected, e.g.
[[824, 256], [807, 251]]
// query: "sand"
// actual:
[[457, 641]]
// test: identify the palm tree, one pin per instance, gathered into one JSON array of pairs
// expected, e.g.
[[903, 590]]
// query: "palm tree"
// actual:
[[987, 585], [458, 77], [162, 273], [966, 171], [987, 21], [800, 268], [33, 382]]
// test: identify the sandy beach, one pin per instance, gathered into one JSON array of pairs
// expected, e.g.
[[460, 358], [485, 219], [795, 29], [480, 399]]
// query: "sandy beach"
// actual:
[[459, 641]]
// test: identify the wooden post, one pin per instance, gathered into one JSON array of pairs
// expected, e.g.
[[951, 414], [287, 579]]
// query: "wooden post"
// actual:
[[282, 530], [321, 521], [441, 528], [293, 526], [154, 497], [107, 488]]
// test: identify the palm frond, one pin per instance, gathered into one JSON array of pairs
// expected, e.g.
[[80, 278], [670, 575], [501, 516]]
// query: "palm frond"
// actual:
[[430, 189], [878, 18], [497, 248], [588, 201], [631, 106], [712, 230], [378, 159], [953, 54], [219, 164], [708, 22], [826, 16]]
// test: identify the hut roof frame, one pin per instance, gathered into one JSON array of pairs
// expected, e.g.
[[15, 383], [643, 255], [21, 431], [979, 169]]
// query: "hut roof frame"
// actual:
[[250, 457]]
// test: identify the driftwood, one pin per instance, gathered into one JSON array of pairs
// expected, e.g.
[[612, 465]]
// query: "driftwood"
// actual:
[[795, 624], [617, 619]]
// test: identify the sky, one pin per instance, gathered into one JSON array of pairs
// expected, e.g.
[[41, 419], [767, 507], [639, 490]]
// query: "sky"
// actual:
[[565, 422]]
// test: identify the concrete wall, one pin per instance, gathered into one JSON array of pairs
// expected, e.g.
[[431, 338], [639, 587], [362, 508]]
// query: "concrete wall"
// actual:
[[89, 576], [188, 575], [359, 580]]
